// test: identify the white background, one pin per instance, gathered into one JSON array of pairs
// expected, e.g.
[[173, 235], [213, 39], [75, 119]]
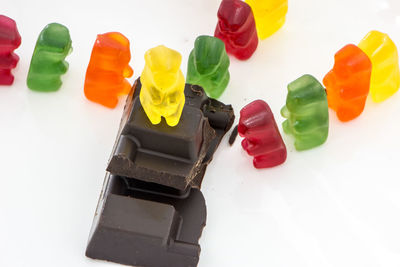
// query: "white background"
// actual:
[[336, 205]]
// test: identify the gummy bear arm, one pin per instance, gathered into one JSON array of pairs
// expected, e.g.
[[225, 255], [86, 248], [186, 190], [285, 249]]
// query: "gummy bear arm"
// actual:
[[9, 61], [285, 112], [64, 66], [152, 116], [128, 72]]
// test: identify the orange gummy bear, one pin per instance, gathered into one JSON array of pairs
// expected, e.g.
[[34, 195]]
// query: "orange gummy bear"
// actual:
[[108, 68], [348, 83]]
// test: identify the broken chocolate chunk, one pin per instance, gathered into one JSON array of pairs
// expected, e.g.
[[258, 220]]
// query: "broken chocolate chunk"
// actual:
[[139, 228], [233, 135], [171, 156]]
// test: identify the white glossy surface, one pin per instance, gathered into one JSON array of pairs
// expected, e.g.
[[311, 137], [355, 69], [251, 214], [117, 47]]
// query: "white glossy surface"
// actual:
[[336, 205]]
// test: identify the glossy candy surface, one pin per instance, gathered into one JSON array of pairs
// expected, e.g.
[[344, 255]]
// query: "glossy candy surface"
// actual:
[[48, 59], [237, 29], [270, 15], [306, 112], [108, 68], [347, 84], [163, 85], [9, 41], [385, 79], [208, 66], [261, 135]]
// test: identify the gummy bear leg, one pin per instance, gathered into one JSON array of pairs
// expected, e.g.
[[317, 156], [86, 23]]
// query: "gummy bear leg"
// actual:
[[348, 113], [245, 144], [110, 101], [126, 87], [154, 117], [40, 83], [172, 120], [309, 141], [6, 78], [269, 160], [97, 95]]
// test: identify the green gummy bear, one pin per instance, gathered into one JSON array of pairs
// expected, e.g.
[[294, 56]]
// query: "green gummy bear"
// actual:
[[307, 114], [208, 66], [48, 64]]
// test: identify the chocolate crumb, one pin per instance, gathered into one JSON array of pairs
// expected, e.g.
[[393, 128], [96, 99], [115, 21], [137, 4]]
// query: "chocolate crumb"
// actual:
[[233, 136]]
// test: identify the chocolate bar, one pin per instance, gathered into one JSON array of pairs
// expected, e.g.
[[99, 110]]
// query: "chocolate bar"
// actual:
[[151, 211]]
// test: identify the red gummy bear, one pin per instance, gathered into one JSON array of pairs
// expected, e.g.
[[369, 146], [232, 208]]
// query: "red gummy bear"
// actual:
[[9, 41], [237, 28], [262, 138]]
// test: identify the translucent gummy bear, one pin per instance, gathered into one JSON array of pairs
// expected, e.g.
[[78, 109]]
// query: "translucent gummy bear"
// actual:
[[270, 15], [347, 84], [208, 65], [306, 112], [48, 59], [163, 84], [237, 29], [385, 79], [108, 68], [261, 135], [9, 41]]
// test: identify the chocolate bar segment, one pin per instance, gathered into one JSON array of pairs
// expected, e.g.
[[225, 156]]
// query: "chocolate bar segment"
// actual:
[[171, 156], [146, 229]]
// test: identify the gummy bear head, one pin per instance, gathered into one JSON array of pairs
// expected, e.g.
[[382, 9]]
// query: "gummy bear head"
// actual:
[[9, 36], [208, 51], [164, 64], [55, 38], [349, 61], [255, 115], [265, 7], [233, 14], [112, 50], [375, 43], [303, 92]]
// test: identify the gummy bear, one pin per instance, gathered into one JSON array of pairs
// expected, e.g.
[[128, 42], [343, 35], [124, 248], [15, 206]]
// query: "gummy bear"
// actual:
[[261, 135], [306, 111], [347, 84], [270, 15], [48, 64], [237, 29], [108, 68], [163, 84], [9, 41], [385, 78], [208, 65]]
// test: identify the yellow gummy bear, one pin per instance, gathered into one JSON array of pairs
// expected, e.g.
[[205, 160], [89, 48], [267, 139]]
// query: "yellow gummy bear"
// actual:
[[163, 85], [385, 77], [270, 15]]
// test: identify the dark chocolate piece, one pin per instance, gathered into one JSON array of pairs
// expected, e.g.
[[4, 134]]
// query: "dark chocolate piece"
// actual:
[[233, 136], [172, 156], [139, 228], [151, 211]]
